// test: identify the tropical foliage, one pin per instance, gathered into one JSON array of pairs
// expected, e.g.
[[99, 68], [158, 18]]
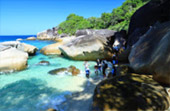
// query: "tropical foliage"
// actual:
[[118, 19]]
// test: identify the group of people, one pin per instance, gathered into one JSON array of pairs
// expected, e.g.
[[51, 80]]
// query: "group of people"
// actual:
[[101, 66]]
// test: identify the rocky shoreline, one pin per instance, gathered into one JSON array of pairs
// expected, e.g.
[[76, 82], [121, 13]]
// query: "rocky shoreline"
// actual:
[[14, 55], [145, 84], [142, 84]]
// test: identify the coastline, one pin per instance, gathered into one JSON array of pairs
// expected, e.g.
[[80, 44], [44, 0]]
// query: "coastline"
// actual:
[[43, 87]]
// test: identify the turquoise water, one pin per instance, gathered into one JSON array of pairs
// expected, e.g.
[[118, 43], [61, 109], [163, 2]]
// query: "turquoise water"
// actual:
[[34, 89]]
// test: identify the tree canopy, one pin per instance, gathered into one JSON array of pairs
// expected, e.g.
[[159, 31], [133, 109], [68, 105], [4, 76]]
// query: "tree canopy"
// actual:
[[118, 19]]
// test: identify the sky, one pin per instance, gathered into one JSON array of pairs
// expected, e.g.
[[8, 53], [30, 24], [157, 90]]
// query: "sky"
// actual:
[[28, 17]]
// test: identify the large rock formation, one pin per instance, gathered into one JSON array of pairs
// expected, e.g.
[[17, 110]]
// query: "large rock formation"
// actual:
[[50, 34], [130, 92], [151, 54], [85, 32], [12, 59], [63, 35], [31, 50], [87, 47], [147, 16], [54, 48], [2, 47], [101, 32], [15, 44]]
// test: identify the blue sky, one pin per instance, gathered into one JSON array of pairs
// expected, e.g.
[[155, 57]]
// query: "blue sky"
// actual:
[[27, 17]]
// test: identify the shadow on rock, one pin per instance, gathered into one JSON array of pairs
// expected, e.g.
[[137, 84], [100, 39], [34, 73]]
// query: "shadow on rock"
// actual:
[[130, 92]]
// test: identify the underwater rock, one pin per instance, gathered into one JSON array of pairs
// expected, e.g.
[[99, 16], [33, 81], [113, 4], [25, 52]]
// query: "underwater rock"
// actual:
[[57, 71], [44, 63], [72, 69]]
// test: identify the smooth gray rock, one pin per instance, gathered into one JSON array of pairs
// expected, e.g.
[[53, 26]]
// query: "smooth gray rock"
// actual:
[[145, 17], [87, 47], [102, 32], [151, 54]]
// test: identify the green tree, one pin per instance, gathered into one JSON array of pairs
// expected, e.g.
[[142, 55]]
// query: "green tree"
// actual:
[[118, 19], [121, 15], [106, 18], [73, 23]]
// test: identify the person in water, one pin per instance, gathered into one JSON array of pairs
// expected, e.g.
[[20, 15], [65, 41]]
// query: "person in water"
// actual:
[[98, 67], [114, 63], [104, 67], [87, 70]]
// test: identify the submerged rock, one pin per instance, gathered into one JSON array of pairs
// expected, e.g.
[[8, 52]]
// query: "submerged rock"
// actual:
[[57, 71], [72, 69], [12, 59], [44, 63], [130, 92], [151, 54]]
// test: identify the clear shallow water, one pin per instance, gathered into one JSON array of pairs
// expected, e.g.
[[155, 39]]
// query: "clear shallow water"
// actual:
[[34, 89]]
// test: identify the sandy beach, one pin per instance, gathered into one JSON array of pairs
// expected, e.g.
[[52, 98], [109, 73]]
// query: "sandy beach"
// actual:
[[81, 101]]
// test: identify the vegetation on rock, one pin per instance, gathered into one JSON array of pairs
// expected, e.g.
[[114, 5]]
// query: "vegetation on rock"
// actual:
[[118, 19]]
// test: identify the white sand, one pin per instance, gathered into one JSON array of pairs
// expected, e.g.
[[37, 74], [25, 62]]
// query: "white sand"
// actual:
[[81, 101]]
